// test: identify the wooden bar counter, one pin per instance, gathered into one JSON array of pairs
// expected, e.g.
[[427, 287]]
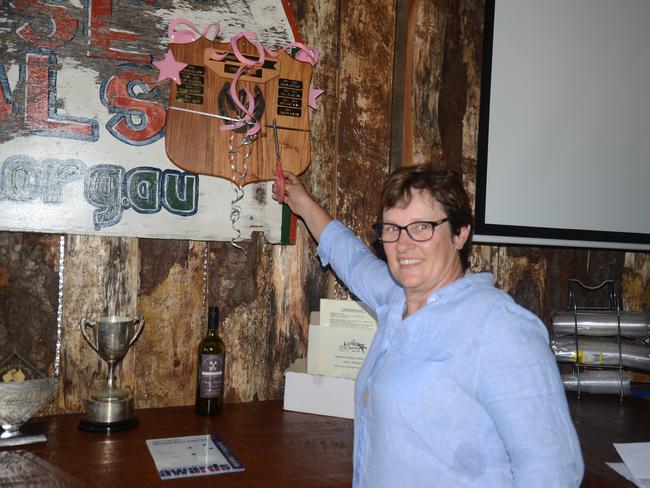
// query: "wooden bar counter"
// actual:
[[602, 420], [278, 448]]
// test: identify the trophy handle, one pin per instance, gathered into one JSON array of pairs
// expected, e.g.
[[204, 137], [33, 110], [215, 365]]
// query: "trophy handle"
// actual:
[[139, 325], [85, 323]]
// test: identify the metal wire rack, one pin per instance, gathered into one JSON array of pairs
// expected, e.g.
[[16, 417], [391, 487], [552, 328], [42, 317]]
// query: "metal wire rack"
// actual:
[[614, 306]]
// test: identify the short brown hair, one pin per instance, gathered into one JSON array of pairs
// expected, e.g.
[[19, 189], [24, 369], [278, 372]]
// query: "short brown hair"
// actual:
[[443, 185]]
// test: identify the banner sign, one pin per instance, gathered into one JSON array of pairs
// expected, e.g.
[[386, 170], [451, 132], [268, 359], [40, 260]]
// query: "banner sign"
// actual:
[[82, 122]]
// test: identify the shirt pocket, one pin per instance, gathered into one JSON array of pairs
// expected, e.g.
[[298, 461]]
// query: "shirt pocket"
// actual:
[[407, 378]]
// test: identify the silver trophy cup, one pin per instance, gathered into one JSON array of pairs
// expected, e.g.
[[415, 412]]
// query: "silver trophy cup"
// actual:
[[110, 408]]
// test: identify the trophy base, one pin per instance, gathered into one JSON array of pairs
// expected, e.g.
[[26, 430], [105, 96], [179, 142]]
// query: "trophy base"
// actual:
[[107, 427], [108, 415], [28, 434]]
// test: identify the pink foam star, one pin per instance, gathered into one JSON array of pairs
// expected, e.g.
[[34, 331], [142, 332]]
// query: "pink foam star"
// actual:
[[314, 93], [169, 68]]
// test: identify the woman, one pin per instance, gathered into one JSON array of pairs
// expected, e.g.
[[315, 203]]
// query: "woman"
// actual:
[[459, 387]]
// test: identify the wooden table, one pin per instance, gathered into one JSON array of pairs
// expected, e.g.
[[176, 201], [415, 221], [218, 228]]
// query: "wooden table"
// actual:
[[278, 448], [600, 421], [282, 449]]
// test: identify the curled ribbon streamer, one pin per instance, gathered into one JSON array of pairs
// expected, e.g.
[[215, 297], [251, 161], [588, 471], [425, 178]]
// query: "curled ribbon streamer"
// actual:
[[187, 36], [249, 117], [246, 63], [305, 54], [252, 38]]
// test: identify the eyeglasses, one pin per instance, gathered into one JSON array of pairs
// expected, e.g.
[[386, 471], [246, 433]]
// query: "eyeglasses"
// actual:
[[420, 231]]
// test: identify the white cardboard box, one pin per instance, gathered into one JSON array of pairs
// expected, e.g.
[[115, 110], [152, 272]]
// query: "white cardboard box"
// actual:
[[313, 393]]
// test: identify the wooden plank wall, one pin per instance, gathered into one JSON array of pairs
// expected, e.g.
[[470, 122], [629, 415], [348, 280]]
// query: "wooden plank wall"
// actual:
[[266, 294]]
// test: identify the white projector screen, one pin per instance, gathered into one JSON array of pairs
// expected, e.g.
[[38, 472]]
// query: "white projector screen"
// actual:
[[564, 131]]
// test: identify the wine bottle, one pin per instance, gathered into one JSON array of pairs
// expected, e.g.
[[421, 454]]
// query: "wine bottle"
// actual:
[[211, 367]]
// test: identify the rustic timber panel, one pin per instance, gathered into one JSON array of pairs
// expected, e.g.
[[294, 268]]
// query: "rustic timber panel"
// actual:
[[423, 65], [169, 297], [319, 25], [444, 41], [101, 278], [239, 284], [29, 280], [367, 44], [636, 281]]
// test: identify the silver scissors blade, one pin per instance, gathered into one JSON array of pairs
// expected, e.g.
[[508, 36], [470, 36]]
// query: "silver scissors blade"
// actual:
[[275, 137]]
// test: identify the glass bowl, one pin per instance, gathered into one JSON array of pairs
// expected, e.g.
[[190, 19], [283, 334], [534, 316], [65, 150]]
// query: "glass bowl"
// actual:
[[19, 401]]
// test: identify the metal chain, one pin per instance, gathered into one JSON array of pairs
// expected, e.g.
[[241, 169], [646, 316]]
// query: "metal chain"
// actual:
[[234, 150], [204, 284], [59, 309]]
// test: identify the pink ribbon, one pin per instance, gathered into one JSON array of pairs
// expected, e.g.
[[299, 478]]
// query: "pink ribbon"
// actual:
[[305, 54], [186, 36], [246, 63]]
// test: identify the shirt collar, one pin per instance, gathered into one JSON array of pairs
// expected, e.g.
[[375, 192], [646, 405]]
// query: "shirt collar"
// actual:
[[453, 289]]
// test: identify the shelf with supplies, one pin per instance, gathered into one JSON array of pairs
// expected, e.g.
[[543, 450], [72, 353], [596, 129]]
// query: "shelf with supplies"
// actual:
[[608, 347]]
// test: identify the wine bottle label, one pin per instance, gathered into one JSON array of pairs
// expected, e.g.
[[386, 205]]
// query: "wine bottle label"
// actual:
[[211, 382]]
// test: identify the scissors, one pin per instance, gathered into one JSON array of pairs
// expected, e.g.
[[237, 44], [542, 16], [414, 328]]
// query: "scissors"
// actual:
[[279, 171]]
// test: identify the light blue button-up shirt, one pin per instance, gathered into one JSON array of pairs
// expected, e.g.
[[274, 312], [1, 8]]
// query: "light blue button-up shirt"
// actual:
[[465, 392]]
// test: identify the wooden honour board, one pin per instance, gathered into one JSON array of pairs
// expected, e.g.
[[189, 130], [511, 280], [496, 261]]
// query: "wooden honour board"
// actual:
[[195, 142]]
